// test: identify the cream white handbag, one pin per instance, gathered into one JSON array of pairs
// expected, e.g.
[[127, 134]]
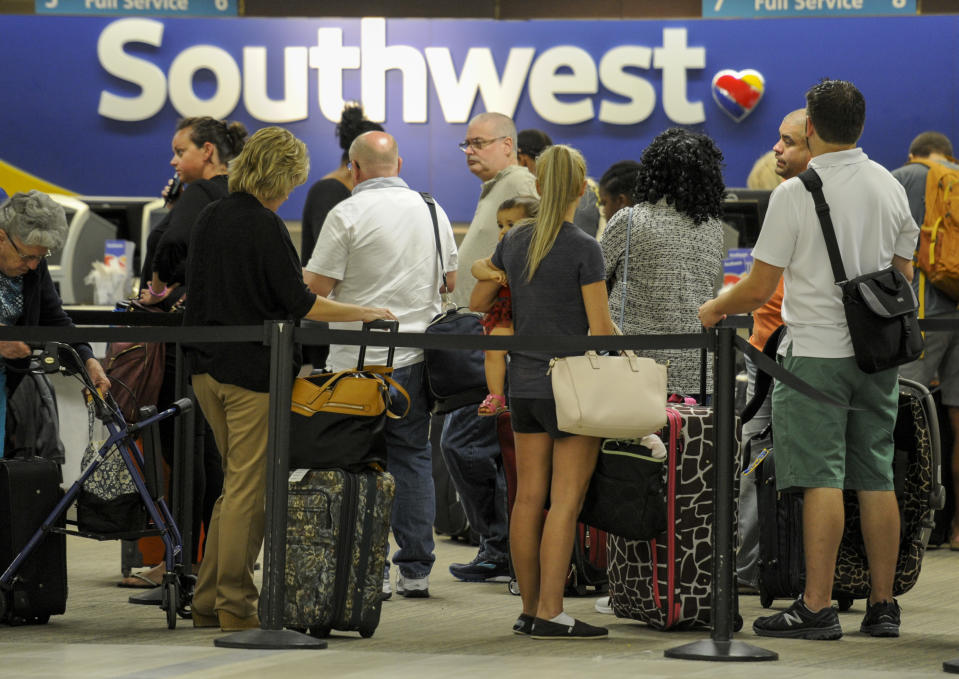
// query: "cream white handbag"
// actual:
[[609, 396]]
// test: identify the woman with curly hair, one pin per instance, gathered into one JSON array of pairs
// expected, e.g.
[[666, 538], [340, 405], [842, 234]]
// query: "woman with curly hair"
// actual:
[[675, 248]]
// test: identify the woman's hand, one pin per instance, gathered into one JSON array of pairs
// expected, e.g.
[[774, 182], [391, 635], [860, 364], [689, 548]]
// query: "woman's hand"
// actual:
[[149, 299], [14, 350], [99, 377], [374, 314]]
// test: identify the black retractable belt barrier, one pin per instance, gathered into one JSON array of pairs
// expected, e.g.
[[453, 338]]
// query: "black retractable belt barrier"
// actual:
[[281, 335]]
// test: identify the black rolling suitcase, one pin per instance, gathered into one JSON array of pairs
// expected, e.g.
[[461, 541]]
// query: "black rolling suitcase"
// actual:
[[337, 529], [29, 490], [919, 493]]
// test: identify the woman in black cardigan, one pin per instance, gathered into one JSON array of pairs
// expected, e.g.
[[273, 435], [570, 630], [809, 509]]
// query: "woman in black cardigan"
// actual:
[[242, 269]]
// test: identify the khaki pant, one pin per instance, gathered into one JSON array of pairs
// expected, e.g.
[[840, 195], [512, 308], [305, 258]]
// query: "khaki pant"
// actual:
[[239, 419]]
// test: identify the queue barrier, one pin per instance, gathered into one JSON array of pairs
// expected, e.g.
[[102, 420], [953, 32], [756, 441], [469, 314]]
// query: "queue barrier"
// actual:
[[281, 336]]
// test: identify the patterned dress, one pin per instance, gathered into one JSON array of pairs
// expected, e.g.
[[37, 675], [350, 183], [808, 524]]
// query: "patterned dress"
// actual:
[[675, 265], [501, 313]]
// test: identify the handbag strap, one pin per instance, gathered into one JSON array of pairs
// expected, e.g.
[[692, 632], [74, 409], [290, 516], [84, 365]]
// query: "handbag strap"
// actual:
[[813, 183], [622, 304], [431, 204]]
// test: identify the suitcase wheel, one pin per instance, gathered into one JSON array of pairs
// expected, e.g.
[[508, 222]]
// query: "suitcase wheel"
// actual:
[[845, 603], [513, 587], [320, 632], [367, 632], [765, 600]]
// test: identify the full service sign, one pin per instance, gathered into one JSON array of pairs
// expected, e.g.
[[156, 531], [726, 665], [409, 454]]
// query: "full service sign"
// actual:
[[139, 7], [95, 100], [804, 8]]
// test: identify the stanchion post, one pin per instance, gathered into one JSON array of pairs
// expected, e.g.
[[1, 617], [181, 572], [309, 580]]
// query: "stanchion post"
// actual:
[[721, 646], [271, 634]]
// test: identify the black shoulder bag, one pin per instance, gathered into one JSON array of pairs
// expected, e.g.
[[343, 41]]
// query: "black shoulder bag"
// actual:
[[456, 377], [881, 307]]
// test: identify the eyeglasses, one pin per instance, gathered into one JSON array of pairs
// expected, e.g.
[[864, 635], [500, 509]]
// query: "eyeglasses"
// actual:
[[477, 144], [29, 259]]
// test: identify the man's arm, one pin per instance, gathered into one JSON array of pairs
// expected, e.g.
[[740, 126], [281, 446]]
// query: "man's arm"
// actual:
[[750, 293], [450, 282], [904, 266], [318, 283]]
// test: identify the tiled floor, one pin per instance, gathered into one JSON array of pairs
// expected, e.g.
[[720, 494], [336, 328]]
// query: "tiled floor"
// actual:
[[462, 631]]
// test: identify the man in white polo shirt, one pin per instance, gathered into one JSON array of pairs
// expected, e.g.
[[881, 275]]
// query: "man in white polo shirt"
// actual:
[[379, 244], [820, 448]]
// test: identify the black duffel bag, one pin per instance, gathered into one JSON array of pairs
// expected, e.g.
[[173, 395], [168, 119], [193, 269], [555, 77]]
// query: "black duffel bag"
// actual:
[[456, 377]]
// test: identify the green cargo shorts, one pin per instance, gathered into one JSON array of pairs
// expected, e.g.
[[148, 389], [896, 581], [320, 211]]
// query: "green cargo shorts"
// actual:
[[818, 445]]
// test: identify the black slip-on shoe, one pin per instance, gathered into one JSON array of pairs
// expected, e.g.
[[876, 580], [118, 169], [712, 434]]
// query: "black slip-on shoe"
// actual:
[[546, 629], [523, 625]]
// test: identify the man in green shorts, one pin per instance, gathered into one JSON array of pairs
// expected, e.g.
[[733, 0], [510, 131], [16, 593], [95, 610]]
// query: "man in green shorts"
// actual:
[[820, 448]]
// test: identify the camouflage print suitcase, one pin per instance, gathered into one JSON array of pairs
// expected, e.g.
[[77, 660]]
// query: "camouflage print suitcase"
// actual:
[[337, 529]]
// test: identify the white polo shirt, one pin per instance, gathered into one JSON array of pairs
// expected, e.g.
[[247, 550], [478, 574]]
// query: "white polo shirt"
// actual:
[[871, 217], [379, 245]]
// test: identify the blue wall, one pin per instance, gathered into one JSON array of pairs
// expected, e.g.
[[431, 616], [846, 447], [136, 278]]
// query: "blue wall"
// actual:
[[53, 79]]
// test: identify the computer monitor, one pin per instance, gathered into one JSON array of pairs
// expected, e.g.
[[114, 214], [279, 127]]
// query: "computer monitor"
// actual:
[[744, 211], [130, 214], [85, 242]]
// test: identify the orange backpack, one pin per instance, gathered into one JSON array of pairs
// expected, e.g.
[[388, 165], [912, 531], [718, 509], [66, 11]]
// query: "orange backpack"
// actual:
[[938, 253]]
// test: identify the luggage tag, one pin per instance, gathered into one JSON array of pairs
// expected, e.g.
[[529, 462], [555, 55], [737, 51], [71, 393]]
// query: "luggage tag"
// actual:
[[767, 444]]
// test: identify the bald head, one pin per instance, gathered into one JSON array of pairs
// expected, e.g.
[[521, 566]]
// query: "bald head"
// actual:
[[375, 154], [792, 151]]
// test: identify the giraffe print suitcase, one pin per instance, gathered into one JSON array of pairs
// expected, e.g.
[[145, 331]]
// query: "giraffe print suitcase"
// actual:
[[666, 582]]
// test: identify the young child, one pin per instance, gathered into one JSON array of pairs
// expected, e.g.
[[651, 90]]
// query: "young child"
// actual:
[[499, 319]]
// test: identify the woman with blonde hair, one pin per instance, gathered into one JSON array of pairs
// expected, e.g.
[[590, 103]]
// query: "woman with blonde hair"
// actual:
[[557, 278], [243, 270]]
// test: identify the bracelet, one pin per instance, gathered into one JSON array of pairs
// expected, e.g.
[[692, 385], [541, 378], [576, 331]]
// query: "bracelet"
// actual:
[[153, 292]]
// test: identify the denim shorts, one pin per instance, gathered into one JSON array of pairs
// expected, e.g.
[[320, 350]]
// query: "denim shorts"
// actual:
[[535, 416], [818, 445]]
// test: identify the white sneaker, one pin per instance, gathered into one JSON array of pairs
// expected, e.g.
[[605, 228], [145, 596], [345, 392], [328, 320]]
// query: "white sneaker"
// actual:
[[602, 606], [387, 588], [413, 588]]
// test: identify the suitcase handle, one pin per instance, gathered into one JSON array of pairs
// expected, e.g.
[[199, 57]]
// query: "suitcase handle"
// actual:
[[379, 324]]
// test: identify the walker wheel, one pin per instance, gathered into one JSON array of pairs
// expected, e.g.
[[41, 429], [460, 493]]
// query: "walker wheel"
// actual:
[[171, 598], [5, 605], [513, 587]]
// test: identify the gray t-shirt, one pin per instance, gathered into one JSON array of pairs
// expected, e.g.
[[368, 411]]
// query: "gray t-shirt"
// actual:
[[550, 304], [912, 176]]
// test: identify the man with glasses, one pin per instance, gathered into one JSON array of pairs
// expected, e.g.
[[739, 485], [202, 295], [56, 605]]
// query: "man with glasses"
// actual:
[[31, 225], [470, 446]]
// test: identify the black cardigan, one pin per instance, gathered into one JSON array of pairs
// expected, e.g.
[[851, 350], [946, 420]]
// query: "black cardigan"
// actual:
[[41, 306]]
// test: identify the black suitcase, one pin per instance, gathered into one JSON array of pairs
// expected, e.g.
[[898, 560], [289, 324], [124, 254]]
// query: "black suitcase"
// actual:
[[29, 491], [919, 492], [337, 529]]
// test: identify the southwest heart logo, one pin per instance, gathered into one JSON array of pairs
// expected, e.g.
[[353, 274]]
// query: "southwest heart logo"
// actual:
[[738, 92]]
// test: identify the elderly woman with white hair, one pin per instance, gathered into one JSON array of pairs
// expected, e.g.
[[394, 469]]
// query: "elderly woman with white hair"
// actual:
[[32, 225]]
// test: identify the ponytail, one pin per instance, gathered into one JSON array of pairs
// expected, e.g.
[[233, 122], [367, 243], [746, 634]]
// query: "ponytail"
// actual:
[[560, 173]]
